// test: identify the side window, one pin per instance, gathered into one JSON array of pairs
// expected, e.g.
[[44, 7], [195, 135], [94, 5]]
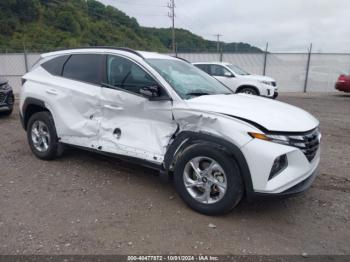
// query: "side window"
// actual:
[[55, 65], [203, 68], [218, 70], [84, 67], [125, 74]]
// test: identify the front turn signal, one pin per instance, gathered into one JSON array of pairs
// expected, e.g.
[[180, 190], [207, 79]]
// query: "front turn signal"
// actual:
[[259, 136]]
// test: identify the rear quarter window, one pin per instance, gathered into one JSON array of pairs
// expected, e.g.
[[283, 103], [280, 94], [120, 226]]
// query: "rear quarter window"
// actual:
[[55, 65]]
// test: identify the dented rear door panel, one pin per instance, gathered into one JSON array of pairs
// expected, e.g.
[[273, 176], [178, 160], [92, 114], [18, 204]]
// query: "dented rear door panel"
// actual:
[[77, 112]]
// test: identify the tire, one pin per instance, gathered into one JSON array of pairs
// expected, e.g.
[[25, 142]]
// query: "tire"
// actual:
[[218, 204], [249, 90], [7, 113], [53, 147]]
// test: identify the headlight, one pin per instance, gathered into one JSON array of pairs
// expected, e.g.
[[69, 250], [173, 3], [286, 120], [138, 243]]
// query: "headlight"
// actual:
[[266, 83], [280, 139], [5, 87]]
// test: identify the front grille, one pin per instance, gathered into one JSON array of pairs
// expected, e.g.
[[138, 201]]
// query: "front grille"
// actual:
[[308, 143], [10, 100], [2, 97]]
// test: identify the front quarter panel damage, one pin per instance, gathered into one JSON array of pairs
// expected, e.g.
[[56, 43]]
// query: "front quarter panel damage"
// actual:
[[219, 125]]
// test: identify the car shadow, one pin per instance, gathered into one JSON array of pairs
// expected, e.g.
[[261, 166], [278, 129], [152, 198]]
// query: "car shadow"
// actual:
[[342, 95], [151, 177]]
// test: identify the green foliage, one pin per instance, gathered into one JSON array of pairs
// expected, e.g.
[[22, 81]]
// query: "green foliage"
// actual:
[[43, 25], [66, 22]]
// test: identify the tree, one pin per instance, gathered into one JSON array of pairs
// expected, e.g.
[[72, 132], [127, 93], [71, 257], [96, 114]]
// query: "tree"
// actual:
[[66, 22]]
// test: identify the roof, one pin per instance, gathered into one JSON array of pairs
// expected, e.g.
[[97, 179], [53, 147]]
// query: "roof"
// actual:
[[211, 63], [116, 50]]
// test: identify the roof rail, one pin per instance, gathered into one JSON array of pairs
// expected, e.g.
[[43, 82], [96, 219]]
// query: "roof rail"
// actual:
[[105, 47], [183, 59]]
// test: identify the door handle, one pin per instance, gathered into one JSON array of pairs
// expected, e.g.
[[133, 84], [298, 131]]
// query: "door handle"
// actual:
[[52, 92], [113, 107]]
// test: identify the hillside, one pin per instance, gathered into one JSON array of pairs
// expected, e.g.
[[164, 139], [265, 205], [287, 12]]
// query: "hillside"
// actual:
[[41, 25]]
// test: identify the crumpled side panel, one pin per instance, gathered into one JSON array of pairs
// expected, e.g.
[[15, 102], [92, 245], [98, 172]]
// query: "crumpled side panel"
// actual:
[[232, 130], [77, 111], [134, 126]]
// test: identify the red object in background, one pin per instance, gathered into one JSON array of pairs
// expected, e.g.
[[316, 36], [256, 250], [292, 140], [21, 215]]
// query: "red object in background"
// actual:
[[343, 83]]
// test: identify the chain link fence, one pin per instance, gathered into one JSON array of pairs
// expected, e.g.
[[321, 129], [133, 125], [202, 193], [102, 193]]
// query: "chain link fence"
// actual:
[[294, 72]]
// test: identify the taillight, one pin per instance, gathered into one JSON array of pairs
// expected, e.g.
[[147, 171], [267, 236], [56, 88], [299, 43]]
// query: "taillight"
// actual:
[[342, 78]]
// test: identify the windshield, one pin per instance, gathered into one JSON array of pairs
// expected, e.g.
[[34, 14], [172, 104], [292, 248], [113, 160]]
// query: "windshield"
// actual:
[[238, 70], [187, 80]]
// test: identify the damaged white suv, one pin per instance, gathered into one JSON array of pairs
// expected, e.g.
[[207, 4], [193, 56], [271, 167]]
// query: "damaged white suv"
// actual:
[[167, 114]]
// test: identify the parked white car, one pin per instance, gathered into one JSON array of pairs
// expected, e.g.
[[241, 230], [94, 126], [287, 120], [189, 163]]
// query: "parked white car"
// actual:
[[240, 81], [167, 114]]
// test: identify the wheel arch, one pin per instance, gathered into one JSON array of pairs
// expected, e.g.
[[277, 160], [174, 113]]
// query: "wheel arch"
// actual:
[[247, 86], [31, 106], [186, 139]]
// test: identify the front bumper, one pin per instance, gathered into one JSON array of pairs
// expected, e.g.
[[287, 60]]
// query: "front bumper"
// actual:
[[270, 92], [6, 100], [260, 156], [342, 86], [295, 190]]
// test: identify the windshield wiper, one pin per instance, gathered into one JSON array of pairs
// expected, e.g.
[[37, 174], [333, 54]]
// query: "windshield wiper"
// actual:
[[198, 93]]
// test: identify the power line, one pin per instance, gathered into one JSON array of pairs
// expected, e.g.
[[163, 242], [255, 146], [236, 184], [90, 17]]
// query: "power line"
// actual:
[[171, 14]]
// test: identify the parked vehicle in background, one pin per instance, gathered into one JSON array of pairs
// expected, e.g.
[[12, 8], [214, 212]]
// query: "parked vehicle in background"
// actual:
[[167, 114], [240, 81], [6, 97], [343, 83]]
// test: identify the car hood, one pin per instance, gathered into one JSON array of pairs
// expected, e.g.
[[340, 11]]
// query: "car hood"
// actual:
[[270, 114], [258, 78]]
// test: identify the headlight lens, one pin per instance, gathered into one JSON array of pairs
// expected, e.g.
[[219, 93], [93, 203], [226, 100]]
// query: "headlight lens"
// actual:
[[280, 139], [266, 83]]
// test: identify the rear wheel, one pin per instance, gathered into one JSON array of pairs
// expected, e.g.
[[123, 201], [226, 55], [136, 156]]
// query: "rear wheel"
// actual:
[[208, 180], [42, 137], [249, 91]]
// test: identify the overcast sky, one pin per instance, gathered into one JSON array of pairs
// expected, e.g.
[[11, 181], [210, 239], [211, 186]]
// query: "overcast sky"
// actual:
[[288, 25]]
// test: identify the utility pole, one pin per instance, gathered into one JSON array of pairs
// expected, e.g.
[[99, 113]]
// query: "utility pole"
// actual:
[[218, 42], [171, 14], [265, 58], [307, 68], [218, 47]]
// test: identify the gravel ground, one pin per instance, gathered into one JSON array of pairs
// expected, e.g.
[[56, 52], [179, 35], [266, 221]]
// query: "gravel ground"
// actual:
[[84, 203]]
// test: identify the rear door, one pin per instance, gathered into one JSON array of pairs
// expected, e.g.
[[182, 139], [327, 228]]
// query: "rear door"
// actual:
[[76, 99]]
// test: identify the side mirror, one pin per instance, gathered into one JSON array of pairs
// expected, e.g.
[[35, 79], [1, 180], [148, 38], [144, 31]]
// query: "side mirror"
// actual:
[[154, 93], [228, 74]]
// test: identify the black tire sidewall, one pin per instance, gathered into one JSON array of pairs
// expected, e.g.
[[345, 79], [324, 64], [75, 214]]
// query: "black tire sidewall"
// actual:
[[234, 190], [47, 119], [254, 92], [7, 113]]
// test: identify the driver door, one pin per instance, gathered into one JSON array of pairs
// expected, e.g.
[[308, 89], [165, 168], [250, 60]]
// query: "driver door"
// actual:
[[224, 76], [131, 124]]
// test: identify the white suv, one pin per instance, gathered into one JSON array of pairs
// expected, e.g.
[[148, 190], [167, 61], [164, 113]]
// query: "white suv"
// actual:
[[167, 114], [240, 81]]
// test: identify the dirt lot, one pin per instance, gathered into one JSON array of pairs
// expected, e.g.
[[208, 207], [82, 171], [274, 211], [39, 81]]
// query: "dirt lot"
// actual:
[[88, 204]]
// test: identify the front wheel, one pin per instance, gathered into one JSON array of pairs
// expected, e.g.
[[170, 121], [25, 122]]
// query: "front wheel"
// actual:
[[208, 180], [249, 91]]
